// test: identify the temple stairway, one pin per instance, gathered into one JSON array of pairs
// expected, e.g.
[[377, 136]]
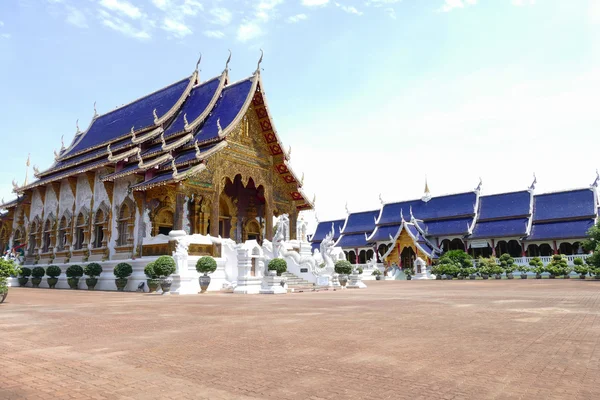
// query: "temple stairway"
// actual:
[[301, 285]]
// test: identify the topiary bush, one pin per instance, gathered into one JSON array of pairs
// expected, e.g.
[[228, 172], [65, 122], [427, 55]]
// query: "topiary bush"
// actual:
[[207, 265], [25, 272], [580, 267], [343, 267], [53, 271], [279, 265], [93, 270], [38, 272], [164, 266], [123, 271], [507, 263], [149, 271], [74, 271]]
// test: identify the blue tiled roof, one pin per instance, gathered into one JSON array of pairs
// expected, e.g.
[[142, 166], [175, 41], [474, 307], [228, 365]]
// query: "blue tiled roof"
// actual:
[[448, 227], [503, 228], [138, 114], [361, 222], [164, 177], [352, 241], [504, 205], [127, 169], [413, 231], [195, 105], [454, 205], [564, 205], [226, 109], [383, 233], [324, 227], [190, 155], [561, 230]]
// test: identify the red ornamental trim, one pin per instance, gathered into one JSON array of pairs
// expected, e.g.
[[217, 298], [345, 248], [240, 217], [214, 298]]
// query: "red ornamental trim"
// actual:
[[282, 169], [288, 179], [270, 137], [275, 149], [296, 196], [265, 125], [261, 112], [258, 99]]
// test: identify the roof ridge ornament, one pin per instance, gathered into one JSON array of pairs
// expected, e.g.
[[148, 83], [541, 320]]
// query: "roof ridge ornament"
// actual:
[[219, 126], [174, 168], [110, 154], [532, 186], [62, 143], [77, 126], [15, 186], [597, 180], [259, 61], [478, 188], [289, 153], [314, 200], [55, 155], [347, 211], [426, 194], [36, 171], [401, 215], [198, 63], [412, 217], [95, 111], [227, 62], [381, 199], [302, 180], [185, 122], [155, 116]]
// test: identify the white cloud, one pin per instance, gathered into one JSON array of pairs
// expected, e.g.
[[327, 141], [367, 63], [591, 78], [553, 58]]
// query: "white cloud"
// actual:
[[519, 3], [296, 18], [313, 3], [249, 30], [349, 9], [1, 23], [223, 16], [175, 27], [450, 5], [381, 3], [5, 35], [391, 12], [214, 34], [122, 7], [191, 7], [162, 4], [124, 27], [76, 18]]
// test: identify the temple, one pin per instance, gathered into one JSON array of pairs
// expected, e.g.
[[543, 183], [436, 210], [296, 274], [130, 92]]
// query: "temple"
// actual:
[[199, 156], [523, 224]]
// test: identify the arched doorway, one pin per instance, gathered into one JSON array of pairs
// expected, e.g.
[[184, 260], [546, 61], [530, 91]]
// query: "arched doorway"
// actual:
[[351, 256], [566, 249], [407, 257], [164, 221], [252, 230], [545, 250]]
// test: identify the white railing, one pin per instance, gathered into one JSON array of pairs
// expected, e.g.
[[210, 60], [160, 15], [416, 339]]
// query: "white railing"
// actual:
[[546, 260]]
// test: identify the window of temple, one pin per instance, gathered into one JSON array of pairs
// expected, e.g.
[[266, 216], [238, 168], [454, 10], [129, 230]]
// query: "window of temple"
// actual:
[[382, 249], [545, 250], [123, 224], [457, 244], [47, 236], [80, 232], [566, 249], [352, 256], [18, 237], [164, 221], [514, 248], [362, 257], [501, 248], [533, 250], [99, 226], [31, 242], [484, 252], [370, 255], [61, 241]]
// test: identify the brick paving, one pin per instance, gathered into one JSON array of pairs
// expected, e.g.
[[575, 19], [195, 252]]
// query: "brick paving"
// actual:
[[396, 340]]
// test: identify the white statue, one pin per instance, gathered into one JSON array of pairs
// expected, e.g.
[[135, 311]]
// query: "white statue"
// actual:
[[186, 216], [326, 250], [147, 224], [282, 226]]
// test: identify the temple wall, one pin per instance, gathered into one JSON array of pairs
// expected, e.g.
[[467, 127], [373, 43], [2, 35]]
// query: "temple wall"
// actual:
[[66, 199], [119, 195], [50, 203], [84, 194], [100, 194], [37, 206]]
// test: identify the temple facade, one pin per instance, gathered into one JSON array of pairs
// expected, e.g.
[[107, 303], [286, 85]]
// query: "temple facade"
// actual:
[[199, 156], [524, 224]]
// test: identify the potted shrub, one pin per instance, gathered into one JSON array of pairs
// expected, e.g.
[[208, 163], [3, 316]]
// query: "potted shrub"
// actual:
[[122, 272], [164, 266], [377, 274], [409, 272], [53, 273], [580, 268], [438, 271], [8, 268], [464, 273], [343, 268], [278, 265], [74, 272], [524, 270], [507, 263], [24, 276], [92, 271], [558, 266], [472, 271], [36, 276], [458, 258], [537, 266], [206, 265], [152, 281], [486, 267]]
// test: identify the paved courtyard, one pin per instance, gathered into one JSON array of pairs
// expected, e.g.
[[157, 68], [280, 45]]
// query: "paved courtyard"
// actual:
[[396, 340]]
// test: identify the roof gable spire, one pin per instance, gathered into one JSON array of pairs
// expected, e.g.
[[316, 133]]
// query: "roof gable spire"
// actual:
[[426, 194], [532, 186], [478, 188], [597, 180]]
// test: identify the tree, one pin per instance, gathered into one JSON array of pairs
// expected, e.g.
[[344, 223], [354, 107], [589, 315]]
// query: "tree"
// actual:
[[592, 243], [458, 257]]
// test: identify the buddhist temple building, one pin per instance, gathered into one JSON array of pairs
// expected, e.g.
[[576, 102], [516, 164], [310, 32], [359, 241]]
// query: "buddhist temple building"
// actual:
[[201, 156], [523, 224]]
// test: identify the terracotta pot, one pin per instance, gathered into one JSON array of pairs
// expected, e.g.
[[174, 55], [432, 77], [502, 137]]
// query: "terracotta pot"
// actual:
[[91, 283], [73, 283], [52, 282], [204, 282]]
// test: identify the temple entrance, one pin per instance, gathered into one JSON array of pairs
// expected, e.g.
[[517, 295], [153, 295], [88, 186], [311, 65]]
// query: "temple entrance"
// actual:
[[242, 210], [407, 257]]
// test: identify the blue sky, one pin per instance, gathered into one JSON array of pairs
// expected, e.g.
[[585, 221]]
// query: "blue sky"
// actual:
[[372, 95]]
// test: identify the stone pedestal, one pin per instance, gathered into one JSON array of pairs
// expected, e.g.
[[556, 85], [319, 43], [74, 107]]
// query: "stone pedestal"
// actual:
[[248, 281], [271, 284], [248, 285], [355, 282], [421, 271], [335, 283]]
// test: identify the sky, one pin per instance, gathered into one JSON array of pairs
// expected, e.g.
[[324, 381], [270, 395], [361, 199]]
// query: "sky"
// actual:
[[373, 96]]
